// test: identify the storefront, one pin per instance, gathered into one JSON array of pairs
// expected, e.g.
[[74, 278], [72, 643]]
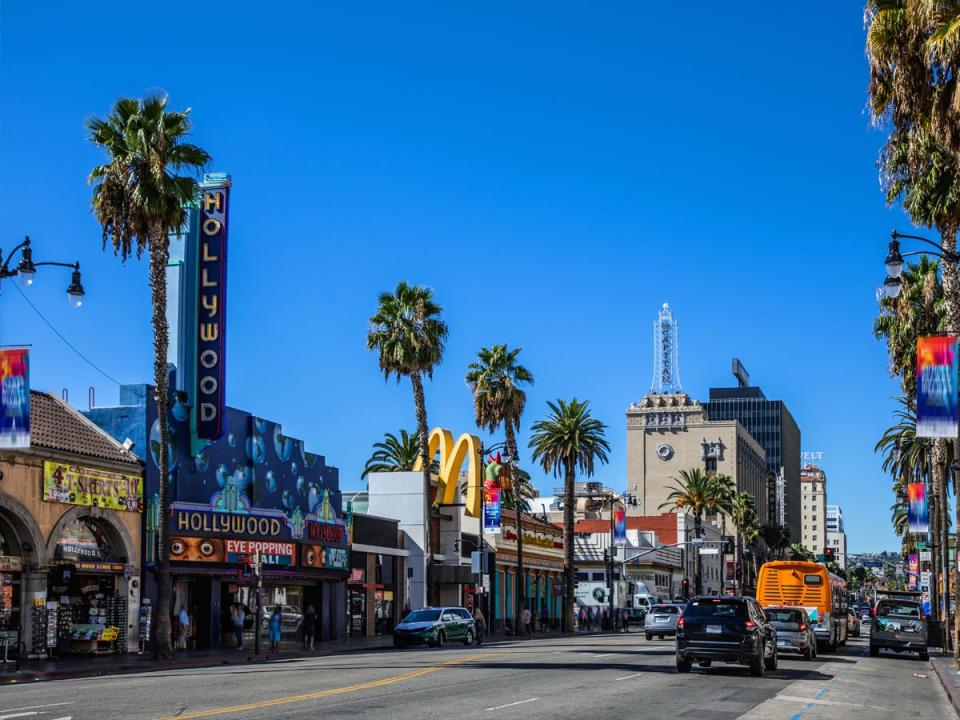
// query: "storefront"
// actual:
[[540, 587], [70, 515], [375, 588]]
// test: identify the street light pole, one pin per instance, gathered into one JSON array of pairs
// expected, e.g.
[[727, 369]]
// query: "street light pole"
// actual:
[[26, 271]]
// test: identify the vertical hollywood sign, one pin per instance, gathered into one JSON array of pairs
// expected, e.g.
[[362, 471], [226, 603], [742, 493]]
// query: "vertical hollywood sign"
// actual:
[[211, 312]]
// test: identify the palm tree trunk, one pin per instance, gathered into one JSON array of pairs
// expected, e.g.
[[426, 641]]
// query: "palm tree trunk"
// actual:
[[569, 570], [739, 561], [159, 255], [697, 525], [951, 293], [518, 510], [420, 405]]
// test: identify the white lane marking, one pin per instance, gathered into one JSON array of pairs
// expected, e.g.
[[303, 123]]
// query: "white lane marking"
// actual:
[[65, 717], [627, 677], [603, 655], [518, 702], [38, 707], [20, 714]]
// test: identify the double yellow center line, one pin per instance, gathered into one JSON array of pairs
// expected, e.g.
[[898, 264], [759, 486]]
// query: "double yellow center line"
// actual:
[[288, 699]]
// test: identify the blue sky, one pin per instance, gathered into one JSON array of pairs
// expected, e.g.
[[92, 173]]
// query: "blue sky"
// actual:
[[554, 173]]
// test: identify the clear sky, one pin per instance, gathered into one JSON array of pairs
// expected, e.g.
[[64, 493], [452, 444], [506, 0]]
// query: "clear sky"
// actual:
[[554, 173]]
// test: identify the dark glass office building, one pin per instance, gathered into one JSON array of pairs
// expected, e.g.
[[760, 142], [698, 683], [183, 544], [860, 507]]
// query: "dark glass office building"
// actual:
[[772, 425]]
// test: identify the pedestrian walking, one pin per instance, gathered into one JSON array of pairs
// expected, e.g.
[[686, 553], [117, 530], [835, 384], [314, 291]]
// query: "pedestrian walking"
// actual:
[[527, 621], [237, 618], [275, 622], [479, 624], [309, 627], [183, 624]]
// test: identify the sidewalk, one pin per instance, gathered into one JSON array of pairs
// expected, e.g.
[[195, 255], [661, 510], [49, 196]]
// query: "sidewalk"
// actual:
[[949, 677]]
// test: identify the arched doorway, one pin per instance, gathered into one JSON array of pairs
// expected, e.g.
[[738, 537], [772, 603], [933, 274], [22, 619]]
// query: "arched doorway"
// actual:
[[92, 581], [21, 554]]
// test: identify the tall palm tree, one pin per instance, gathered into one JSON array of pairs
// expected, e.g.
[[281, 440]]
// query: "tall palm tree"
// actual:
[[743, 512], [409, 336], [700, 494], [393, 454], [777, 538], [569, 439], [496, 380], [139, 198]]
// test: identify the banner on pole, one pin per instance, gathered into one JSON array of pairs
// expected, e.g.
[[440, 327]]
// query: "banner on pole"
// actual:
[[913, 565], [937, 386], [619, 526], [14, 398], [917, 512], [491, 498]]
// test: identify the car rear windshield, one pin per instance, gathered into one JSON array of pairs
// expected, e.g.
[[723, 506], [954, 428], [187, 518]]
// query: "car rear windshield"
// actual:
[[422, 616], [904, 609], [715, 608], [785, 616], [665, 610]]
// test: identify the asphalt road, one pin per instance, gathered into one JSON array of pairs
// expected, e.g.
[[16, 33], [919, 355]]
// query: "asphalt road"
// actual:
[[620, 676]]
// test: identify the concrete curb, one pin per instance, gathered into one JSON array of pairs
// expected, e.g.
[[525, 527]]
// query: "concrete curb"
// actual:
[[948, 687]]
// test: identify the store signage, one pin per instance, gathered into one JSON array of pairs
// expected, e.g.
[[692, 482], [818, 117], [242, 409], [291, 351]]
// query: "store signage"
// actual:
[[74, 485], [255, 524], [14, 398], [211, 312], [452, 454], [271, 553], [327, 558], [82, 566], [10, 563], [325, 532], [530, 539]]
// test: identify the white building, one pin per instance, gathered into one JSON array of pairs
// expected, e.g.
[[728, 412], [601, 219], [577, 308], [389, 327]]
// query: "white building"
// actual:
[[836, 535], [813, 500]]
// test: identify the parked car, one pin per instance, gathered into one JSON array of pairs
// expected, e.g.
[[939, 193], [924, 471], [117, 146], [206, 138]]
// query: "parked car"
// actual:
[[853, 623], [434, 627], [899, 625], [662, 621], [729, 629], [865, 614], [794, 631]]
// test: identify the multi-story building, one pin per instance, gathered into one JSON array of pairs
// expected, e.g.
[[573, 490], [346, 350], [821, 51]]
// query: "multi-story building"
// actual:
[[772, 425], [813, 500], [836, 536]]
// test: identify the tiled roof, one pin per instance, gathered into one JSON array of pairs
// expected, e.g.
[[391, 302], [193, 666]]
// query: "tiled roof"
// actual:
[[55, 425]]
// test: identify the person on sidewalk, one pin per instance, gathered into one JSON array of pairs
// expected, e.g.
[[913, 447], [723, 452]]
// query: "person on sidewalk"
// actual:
[[479, 624], [183, 625], [237, 618], [276, 620], [309, 627], [527, 622]]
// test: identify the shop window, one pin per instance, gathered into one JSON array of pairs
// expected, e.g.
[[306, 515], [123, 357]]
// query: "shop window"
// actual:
[[83, 540]]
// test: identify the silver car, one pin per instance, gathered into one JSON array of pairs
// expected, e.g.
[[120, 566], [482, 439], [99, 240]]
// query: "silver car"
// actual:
[[899, 625], [661, 621], [794, 632]]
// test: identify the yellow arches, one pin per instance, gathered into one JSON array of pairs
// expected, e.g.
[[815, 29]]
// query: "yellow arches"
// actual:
[[452, 454]]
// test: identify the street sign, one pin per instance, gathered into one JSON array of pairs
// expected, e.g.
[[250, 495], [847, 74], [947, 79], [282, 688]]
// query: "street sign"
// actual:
[[925, 556], [709, 551], [922, 545], [696, 541]]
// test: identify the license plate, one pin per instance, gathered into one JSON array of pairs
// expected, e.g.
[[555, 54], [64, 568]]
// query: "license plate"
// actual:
[[659, 618], [893, 625], [910, 628], [714, 629]]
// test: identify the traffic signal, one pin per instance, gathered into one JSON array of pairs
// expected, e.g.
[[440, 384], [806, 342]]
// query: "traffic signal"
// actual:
[[829, 554], [727, 548], [685, 588]]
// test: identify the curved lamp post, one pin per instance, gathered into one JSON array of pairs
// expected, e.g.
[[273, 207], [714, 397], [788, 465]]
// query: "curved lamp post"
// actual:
[[26, 271], [893, 283]]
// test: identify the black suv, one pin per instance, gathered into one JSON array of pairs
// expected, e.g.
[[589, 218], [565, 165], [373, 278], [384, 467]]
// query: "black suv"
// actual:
[[730, 629]]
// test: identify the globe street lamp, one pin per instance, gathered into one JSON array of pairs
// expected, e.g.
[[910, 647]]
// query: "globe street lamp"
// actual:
[[26, 271], [893, 283]]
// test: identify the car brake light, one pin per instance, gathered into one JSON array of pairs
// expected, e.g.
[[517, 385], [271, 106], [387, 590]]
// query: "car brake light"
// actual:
[[750, 624], [803, 626], [680, 623]]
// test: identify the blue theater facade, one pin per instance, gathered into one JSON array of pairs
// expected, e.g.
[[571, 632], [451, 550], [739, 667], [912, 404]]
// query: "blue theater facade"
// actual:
[[238, 485]]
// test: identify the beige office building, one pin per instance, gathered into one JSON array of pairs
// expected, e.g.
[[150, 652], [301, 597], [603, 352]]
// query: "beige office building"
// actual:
[[813, 500], [670, 432]]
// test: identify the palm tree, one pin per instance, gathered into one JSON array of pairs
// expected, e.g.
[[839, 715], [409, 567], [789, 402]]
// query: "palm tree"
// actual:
[[569, 439], [496, 380], [699, 493], [743, 512], [777, 538], [802, 552], [393, 454], [409, 336], [139, 198], [751, 533]]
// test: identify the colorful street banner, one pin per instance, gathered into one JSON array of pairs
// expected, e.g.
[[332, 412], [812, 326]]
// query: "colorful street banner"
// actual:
[[917, 512], [14, 398], [491, 498], [73, 485], [937, 386], [619, 526], [913, 564]]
